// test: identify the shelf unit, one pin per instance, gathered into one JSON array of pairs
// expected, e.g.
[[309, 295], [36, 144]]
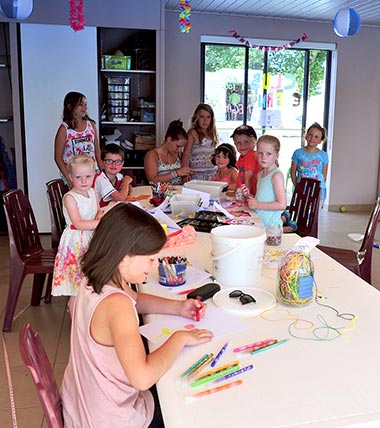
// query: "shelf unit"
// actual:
[[140, 46]]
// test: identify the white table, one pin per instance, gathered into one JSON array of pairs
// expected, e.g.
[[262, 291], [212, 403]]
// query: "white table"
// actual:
[[303, 383]]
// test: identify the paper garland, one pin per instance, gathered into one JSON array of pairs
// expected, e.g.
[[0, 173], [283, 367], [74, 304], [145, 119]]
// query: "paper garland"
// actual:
[[184, 16], [288, 45], [76, 15]]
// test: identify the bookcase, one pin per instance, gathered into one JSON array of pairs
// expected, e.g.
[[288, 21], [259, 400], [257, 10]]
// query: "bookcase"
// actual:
[[127, 94]]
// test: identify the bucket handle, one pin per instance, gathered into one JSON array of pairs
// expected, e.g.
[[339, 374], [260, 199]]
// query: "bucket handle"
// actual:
[[235, 247]]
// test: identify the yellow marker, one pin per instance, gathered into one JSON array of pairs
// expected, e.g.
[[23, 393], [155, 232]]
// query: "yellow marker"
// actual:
[[165, 227]]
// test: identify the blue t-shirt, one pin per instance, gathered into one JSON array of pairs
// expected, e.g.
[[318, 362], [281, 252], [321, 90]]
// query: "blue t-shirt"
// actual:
[[310, 165]]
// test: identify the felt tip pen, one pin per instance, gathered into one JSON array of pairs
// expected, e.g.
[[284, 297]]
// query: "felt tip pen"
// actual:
[[186, 291], [264, 348], [194, 366], [219, 369], [219, 354], [252, 345], [217, 389], [201, 365], [242, 370], [198, 309], [212, 377]]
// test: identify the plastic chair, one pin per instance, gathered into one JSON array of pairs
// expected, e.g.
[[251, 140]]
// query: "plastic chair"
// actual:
[[358, 262], [27, 256], [35, 358], [304, 206], [55, 189]]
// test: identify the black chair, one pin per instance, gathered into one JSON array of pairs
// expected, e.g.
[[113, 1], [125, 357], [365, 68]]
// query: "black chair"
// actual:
[[304, 206], [27, 256], [55, 189], [359, 262]]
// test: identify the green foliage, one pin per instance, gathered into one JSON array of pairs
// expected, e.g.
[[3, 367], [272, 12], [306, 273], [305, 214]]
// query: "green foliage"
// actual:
[[284, 61]]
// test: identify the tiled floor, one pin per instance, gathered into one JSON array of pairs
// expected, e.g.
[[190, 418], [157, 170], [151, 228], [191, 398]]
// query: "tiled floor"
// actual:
[[53, 322]]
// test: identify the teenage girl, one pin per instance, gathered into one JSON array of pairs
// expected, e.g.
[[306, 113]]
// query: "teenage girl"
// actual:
[[107, 355], [201, 142], [81, 211], [310, 161], [270, 200], [77, 135], [224, 158], [163, 164]]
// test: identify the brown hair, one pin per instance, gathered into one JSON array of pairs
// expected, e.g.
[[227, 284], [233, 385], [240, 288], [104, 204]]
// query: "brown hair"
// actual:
[[124, 230], [229, 151], [70, 102], [211, 130], [316, 125], [112, 149], [176, 131]]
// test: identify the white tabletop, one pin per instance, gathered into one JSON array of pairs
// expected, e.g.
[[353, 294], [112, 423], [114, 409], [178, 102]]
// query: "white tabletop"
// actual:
[[303, 383]]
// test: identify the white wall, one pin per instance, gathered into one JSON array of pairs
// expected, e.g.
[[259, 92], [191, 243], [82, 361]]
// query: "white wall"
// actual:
[[55, 60], [354, 136]]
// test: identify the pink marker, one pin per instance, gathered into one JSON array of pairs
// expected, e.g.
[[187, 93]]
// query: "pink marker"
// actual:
[[255, 345], [198, 309]]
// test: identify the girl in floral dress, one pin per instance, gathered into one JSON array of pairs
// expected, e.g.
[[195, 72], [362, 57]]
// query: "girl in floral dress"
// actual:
[[80, 208]]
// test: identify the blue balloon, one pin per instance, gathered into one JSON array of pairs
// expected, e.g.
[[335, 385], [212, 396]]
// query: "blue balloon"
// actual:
[[16, 9], [346, 22]]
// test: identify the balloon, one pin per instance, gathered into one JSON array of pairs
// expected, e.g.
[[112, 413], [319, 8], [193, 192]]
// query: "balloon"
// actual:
[[16, 9], [346, 22]]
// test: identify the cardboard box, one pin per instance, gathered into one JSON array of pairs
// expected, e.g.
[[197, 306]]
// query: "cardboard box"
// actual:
[[144, 141], [116, 62]]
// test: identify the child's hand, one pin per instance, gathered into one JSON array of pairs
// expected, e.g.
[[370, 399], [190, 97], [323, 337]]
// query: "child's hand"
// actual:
[[252, 203], [127, 180], [130, 188], [190, 308], [245, 190], [195, 336], [99, 215]]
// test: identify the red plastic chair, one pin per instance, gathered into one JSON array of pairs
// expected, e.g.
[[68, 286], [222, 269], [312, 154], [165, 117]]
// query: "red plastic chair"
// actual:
[[27, 256], [34, 355], [358, 262], [304, 206], [55, 189]]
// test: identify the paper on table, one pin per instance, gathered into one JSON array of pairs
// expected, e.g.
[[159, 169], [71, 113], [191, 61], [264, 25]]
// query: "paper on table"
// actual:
[[159, 331], [193, 277], [163, 218], [164, 206], [204, 196]]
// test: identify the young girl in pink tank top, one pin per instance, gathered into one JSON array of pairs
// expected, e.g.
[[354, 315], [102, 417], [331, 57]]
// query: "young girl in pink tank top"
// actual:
[[107, 355], [224, 158]]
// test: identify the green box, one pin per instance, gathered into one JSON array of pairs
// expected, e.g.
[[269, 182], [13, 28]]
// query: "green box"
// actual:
[[116, 62]]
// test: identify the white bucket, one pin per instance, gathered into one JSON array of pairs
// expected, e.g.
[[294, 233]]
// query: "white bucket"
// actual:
[[237, 254]]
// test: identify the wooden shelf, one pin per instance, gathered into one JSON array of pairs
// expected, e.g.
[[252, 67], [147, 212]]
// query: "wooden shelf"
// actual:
[[117, 71], [106, 122]]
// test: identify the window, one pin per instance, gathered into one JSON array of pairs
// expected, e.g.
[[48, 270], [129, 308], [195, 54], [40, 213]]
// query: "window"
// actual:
[[277, 92]]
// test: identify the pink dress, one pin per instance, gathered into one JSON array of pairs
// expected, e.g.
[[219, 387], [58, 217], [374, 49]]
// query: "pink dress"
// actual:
[[95, 391]]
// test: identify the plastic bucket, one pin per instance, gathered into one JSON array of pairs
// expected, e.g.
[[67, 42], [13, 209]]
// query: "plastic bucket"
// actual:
[[237, 254]]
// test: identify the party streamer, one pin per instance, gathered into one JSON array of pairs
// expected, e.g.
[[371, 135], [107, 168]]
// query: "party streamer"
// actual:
[[288, 45]]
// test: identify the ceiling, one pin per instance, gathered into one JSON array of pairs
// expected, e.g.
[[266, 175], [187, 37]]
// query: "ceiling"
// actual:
[[316, 10]]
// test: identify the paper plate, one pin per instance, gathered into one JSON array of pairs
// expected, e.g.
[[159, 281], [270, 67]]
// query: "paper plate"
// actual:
[[264, 301]]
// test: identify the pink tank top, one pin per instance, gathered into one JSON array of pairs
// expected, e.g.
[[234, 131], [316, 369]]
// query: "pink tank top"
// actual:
[[96, 392]]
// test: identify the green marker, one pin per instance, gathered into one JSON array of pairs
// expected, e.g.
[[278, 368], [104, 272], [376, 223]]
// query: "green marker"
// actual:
[[269, 346], [214, 376]]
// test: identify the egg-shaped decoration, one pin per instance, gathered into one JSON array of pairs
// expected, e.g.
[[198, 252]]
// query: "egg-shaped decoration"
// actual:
[[346, 22]]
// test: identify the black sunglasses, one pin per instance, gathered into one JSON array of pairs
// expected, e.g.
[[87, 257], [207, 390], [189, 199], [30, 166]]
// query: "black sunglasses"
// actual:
[[244, 298]]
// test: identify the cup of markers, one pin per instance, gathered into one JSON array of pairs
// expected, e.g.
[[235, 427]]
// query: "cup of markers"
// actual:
[[172, 271]]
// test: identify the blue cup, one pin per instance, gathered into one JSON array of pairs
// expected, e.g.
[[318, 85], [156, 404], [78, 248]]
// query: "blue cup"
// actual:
[[172, 274]]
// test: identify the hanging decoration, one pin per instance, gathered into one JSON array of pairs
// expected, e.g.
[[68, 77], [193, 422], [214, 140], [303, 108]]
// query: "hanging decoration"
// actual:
[[288, 45], [184, 16], [16, 9], [76, 15], [346, 22]]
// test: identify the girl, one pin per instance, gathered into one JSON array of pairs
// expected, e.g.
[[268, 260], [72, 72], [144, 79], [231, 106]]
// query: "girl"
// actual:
[[309, 161], [107, 356], [270, 200], [245, 138], [224, 158], [202, 139], [76, 135], [80, 208], [163, 164]]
